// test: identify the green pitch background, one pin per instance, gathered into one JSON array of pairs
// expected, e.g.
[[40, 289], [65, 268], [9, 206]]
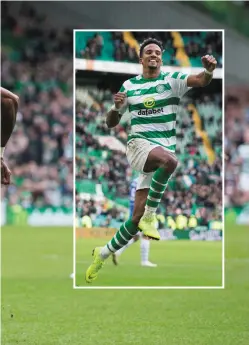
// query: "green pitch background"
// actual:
[[39, 306], [180, 263]]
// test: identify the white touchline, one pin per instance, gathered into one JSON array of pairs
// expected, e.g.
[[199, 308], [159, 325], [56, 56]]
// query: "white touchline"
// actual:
[[74, 170], [223, 159]]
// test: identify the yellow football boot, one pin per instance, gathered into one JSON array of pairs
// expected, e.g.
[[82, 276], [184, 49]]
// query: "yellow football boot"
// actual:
[[97, 264], [148, 224]]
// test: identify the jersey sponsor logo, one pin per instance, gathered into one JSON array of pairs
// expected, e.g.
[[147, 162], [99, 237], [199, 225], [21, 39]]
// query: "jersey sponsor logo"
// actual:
[[150, 111], [149, 102]]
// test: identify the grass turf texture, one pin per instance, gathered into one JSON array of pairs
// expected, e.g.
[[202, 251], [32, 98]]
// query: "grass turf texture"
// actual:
[[36, 290], [180, 263]]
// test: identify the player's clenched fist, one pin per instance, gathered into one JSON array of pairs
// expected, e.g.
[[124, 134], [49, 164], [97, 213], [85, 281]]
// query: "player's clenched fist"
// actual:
[[209, 62], [119, 99]]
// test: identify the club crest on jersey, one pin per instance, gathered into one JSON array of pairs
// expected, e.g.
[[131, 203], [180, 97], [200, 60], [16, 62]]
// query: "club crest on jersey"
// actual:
[[149, 102], [160, 88]]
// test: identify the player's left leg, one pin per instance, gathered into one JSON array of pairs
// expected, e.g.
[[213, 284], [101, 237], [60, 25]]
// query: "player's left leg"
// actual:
[[164, 163], [126, 232]]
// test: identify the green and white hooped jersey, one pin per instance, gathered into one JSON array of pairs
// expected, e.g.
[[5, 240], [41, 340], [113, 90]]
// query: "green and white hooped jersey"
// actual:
[[153, 105]]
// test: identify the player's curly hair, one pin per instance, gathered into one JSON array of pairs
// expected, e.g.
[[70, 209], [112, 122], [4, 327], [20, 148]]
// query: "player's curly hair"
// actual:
[[148, 41]]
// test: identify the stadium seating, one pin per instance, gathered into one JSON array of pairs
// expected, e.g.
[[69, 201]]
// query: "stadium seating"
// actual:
[[180, 48]]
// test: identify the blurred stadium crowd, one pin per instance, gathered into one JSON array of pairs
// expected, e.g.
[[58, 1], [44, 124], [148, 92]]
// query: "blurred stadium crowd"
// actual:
[[118, 46], [237, 147], [36, 65]]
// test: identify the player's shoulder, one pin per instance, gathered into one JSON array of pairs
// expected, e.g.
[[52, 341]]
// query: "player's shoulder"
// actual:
[[131, 81], [136, 78], [176, 75]]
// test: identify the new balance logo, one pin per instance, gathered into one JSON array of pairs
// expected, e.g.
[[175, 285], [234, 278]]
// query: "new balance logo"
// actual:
[[137, 92]]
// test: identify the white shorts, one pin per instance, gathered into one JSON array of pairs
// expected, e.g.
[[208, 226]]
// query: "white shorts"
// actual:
[[137, 153]]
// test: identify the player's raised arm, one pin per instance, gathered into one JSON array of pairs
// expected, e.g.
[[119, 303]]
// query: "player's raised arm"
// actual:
[[114, 115], [204, 78]]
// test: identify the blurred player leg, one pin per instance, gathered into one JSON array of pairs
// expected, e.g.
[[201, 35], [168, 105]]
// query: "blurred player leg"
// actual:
[[133, 188], [145, 250], [121, 250]]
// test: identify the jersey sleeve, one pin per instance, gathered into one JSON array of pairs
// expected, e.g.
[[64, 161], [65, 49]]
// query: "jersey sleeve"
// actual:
[[125, 107], [179, 83]]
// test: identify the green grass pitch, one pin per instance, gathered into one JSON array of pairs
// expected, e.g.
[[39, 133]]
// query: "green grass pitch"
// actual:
[[180, 263], [39, 306]]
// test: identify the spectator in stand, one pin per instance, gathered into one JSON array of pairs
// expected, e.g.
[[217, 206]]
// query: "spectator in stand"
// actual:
[[237, 147], [40, 150]]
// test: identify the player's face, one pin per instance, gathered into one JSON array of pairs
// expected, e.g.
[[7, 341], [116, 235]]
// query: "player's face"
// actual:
[[152, 56]]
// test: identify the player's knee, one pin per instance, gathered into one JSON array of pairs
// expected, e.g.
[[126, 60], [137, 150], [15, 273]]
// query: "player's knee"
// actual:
[[170, 163]]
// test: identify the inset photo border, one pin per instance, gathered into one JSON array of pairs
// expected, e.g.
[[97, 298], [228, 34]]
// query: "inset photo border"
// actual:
[[149, 159]]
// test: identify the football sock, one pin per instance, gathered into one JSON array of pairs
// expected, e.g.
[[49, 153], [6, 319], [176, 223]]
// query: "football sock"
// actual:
[[120, 239], [158, 185]]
